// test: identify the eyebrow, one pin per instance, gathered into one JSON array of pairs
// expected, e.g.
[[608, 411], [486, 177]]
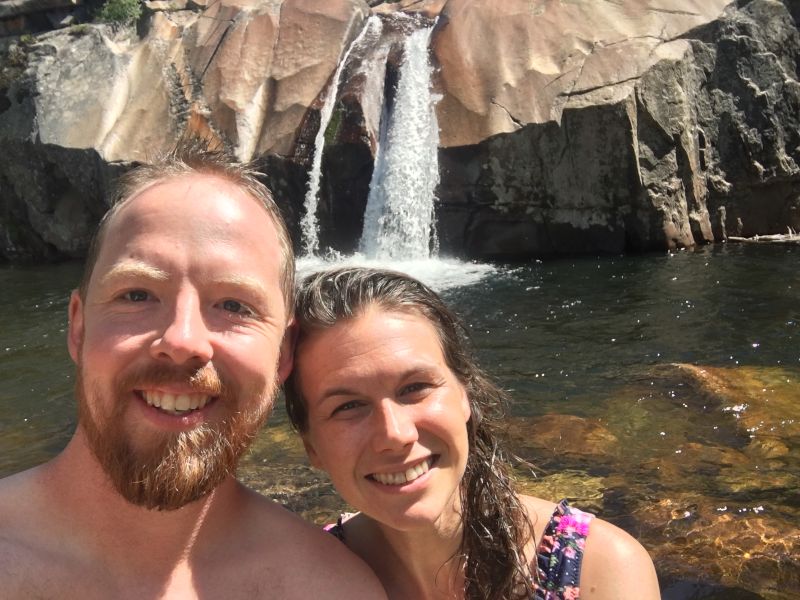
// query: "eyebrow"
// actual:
[[421, 369], [134, 268], [142, 270], [250, 285]]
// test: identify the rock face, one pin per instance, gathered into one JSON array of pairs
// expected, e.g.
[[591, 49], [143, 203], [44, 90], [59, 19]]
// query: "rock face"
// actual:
[[78, 105], [616, 128], [564, 126]]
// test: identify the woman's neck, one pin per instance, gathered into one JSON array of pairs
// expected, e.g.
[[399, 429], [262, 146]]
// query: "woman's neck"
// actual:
[[416, 564]]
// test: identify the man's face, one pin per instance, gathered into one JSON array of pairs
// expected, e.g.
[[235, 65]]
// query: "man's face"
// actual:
[[179, 342]]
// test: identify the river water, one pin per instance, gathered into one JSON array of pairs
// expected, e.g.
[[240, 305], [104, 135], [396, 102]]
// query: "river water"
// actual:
[[658, 390]]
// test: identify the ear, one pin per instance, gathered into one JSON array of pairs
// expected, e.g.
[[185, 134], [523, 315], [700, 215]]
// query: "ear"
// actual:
[[286, 358], [75, 330], [313, 457], [465, 407]]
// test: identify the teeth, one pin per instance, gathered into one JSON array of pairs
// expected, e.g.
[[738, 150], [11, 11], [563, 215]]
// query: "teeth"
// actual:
[[402, 477], [175, 404]]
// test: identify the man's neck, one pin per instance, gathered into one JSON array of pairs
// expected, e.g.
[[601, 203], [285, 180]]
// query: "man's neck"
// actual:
[[109, 525]]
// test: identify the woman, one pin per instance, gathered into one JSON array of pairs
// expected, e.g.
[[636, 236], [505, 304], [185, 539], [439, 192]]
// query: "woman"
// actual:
[[392, 405]]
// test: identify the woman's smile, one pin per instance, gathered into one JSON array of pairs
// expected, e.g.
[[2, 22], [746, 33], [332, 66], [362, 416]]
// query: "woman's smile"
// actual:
[[404, 476]]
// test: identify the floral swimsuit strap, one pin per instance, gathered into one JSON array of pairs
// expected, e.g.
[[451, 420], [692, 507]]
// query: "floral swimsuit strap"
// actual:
[[337, 529], [559, 555]]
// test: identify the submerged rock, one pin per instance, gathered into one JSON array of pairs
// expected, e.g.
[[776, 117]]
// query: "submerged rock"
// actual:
[[583, 490], [560, 439], [276, 466], [762, 401], [744, 547]]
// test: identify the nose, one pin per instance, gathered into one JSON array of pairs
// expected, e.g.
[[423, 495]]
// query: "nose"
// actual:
[[185, 336], [395, 426]]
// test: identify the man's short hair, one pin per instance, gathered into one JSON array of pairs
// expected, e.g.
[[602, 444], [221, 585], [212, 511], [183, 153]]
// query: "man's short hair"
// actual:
[[196, 156]]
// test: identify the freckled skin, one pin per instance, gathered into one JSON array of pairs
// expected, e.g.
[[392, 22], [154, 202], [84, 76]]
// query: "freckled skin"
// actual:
[[188, 276]]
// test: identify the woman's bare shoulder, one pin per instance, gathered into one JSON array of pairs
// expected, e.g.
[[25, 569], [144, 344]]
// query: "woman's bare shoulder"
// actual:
[[615, 565], [539, 510]]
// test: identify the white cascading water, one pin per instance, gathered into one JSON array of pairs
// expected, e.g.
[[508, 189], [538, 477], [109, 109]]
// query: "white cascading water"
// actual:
[[399, 231], [309, 227], [399, 219]]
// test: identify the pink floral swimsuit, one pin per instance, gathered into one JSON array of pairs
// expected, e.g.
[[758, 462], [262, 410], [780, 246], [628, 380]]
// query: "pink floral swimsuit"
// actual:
[[559, 555]]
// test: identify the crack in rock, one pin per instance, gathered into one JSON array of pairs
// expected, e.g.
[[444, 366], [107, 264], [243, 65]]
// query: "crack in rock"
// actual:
[[667, 11], [574, 92], [516, 121]]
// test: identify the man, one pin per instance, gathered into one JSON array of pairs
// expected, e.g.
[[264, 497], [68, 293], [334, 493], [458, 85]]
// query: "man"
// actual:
[[181, 332]]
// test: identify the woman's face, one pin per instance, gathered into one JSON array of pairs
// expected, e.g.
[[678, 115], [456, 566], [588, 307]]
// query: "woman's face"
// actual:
[[386, 417]]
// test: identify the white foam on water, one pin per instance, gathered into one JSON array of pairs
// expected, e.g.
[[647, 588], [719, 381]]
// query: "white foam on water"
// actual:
[[438, 273]]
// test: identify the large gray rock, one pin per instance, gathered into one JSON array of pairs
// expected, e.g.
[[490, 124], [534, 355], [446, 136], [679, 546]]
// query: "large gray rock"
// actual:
[[642, 142]]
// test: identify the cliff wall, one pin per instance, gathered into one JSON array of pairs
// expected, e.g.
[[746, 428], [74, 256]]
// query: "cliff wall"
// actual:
[[564, 126]]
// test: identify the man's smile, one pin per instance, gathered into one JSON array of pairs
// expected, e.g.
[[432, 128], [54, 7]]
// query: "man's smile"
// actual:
[[175, 404]]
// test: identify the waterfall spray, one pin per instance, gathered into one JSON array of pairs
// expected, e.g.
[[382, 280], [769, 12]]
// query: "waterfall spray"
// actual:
[[399, 220], [308, 224], [399, 231]]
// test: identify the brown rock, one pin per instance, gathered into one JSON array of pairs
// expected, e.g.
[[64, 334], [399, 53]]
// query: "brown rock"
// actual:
[[427, 8], [762, 400], [580, 488], [564, 436], [508, 64]]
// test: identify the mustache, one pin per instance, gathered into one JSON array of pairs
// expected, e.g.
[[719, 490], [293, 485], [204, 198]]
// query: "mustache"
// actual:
[[204, 380]]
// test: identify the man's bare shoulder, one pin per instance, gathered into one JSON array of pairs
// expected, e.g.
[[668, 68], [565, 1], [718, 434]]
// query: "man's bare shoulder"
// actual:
[[301, 558], [25, 558], [20, 494]]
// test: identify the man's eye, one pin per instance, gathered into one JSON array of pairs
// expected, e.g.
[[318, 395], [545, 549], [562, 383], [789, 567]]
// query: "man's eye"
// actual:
[[136, 296], [237, 307]]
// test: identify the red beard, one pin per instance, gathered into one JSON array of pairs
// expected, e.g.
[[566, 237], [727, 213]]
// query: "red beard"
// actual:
[[177, 468]]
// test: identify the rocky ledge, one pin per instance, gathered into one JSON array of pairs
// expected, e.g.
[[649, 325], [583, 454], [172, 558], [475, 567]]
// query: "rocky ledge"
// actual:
[[564, 127]]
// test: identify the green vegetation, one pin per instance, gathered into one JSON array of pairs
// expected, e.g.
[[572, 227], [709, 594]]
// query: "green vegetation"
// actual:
[[80, 29], [120, 12], [13, 63], [333, 125]]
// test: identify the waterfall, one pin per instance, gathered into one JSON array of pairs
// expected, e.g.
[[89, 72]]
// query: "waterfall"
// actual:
[[399, 231], [308, 224], [399, 219]]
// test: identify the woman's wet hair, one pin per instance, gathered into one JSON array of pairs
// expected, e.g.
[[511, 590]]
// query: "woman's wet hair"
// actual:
[[496, 526]]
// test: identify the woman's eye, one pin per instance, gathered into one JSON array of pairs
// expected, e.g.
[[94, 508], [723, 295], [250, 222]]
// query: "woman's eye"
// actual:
[[136, 296], [415, 387], [344, 407], [234, 306]]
